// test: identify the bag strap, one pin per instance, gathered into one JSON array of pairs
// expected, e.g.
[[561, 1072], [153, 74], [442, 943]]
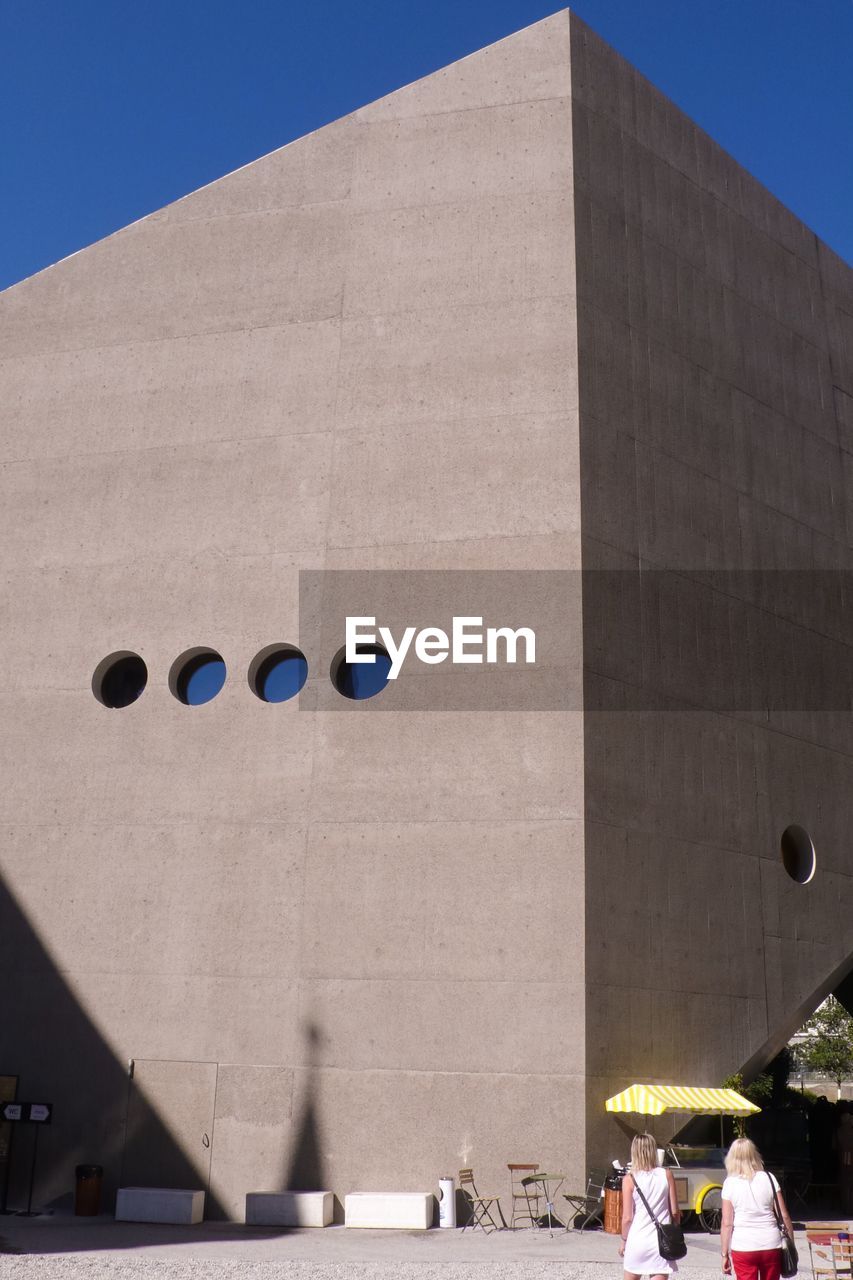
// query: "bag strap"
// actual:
[[777, 1212], [644, 1200]]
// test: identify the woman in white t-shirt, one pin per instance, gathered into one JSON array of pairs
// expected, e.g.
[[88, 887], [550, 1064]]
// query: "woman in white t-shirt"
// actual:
[[750, 1239]]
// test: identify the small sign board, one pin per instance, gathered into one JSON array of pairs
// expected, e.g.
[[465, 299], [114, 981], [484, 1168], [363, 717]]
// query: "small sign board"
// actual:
[[26, 1112]]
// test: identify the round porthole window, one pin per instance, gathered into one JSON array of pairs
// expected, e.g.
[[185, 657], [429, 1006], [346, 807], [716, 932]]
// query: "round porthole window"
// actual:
[[360, 680], [278, 673], [798, 855], [119, 679], [197, 676]]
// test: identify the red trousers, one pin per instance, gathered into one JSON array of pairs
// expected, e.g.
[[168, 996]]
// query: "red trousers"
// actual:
[[757, 1264]]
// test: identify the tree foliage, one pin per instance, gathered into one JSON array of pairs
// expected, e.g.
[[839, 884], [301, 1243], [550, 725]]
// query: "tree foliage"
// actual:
[[760, 1091], [827, 1046]]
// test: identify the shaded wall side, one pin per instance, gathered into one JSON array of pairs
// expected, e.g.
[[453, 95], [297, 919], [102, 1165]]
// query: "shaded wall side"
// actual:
[[715, 357], [359, 352]]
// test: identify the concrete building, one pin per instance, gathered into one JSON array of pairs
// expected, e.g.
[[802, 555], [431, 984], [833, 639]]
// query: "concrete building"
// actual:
[[523, 316]]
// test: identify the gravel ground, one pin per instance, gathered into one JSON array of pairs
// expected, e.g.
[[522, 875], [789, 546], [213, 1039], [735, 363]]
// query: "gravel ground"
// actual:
[[72, 1267], [45, 1248]]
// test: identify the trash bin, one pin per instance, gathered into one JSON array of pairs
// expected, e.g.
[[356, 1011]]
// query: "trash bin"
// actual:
[[446, 1202], [89, 1179], [613, 1204]]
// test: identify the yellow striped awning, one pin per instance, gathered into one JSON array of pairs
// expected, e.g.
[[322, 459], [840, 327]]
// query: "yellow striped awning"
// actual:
[[655, 1099]]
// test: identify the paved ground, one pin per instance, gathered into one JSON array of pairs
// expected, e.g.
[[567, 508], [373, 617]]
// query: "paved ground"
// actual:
[[67, 1248]]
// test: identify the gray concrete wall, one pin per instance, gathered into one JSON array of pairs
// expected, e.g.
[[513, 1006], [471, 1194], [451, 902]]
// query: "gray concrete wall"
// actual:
[[716, 367], [363, 947], [359, 352]]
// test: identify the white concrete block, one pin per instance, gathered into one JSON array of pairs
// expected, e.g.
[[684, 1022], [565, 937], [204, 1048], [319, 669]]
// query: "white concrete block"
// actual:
[[289, 1208], [404, 1210], [159, 1204]]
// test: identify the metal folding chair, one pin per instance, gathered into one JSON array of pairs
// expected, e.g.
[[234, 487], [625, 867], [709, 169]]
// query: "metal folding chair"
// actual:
[[547, 1185], [524, 1206], [482, 1207], [587, 1204]]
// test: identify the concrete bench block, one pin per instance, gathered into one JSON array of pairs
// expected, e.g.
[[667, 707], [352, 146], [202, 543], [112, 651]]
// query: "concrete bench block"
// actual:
[[159, 1204], [289, 1208], [404, 1210]]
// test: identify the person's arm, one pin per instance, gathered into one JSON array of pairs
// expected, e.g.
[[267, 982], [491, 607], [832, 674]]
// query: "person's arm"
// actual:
[[786, 1217], [675, 1211], [627, 1210], [726, 1235]]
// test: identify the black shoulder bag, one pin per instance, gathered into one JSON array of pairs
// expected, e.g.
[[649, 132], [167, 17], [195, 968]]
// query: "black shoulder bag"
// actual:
[[790, 1258], [671, 1242]]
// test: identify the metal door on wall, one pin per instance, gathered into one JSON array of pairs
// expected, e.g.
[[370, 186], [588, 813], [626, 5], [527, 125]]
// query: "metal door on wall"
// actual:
[[169, 1129]]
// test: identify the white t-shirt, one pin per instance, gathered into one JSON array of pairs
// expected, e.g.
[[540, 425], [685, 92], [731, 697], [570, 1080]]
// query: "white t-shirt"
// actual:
[[755, 1223]]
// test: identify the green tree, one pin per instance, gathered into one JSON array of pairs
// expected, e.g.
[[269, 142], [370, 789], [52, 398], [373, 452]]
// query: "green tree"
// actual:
[[827, 1046], [759, 1091]]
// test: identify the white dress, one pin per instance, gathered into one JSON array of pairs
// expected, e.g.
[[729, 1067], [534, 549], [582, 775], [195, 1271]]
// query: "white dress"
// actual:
[[641, 1248]]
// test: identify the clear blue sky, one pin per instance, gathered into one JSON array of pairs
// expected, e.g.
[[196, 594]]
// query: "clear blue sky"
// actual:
[[111, 108]]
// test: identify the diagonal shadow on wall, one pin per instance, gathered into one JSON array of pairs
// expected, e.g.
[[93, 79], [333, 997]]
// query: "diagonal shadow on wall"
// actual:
[[48, 1041]]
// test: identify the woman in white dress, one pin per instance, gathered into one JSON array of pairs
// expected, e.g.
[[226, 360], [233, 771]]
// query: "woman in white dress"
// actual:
[[639, 1245]]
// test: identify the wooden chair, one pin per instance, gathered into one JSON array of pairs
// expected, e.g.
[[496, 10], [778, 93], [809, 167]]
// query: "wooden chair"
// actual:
[[525, 1203], [822, 1240], [842, 1257], [482, 1207]]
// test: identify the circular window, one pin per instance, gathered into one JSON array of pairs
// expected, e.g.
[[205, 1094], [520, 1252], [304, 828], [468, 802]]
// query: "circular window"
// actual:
[[359, 680], [798, 855], [278, 673], [119, 679], [197, 676]]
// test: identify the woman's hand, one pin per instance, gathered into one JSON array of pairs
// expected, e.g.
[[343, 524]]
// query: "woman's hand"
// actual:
[[727, 1264], [622, 1249]]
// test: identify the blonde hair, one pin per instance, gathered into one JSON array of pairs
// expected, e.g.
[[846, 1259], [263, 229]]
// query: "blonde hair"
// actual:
[[743, 1159], [644, 1152]]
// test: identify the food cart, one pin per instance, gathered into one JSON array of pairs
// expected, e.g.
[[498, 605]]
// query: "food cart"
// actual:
[[698, 1171]]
